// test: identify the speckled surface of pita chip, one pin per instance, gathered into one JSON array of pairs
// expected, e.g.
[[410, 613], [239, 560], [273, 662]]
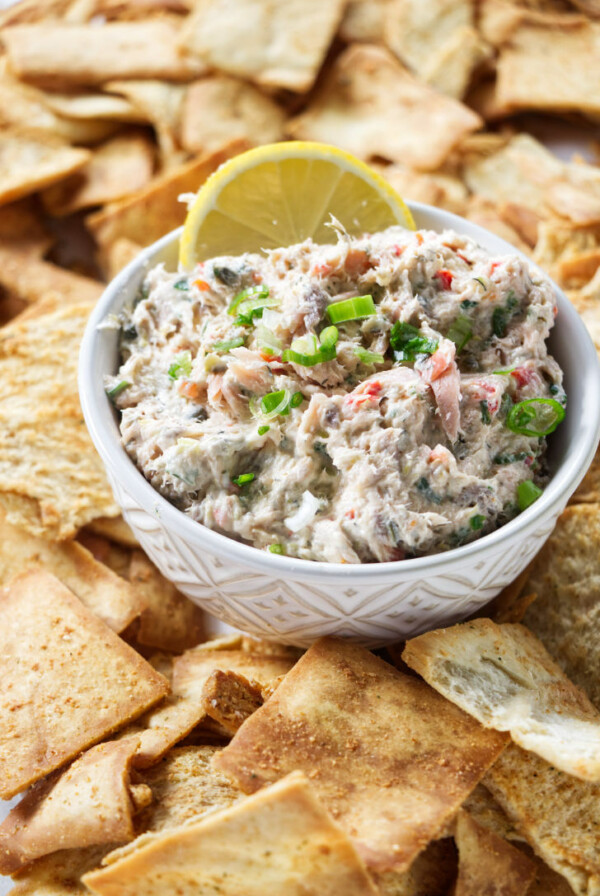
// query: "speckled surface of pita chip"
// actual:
[[68, 680], [558, 814], [488, 864], [30, 160], [49, 486], [280, 840], [389, 757], [504, 677], [370, 105], [59, 873], [89, 804]]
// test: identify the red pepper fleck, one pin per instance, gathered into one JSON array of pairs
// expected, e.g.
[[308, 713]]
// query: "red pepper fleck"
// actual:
[[494, 265], [523, 375], [397, 250], [267, 357], [445, 278], [322, 269], [202, 285], [350, 514]]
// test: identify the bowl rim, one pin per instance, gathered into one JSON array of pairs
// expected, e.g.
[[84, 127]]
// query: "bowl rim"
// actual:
[[99, 414]]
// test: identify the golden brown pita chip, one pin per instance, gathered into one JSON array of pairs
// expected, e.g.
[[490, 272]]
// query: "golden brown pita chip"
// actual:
[[488, 864], [159, 103], [86, 105], [521, 219], [541, 66], [278, 841], [220, 108], [559, 815], [20, 222], [170, 621], [229, 698], [372, 106], [68, 680], [566, 615], [119, 254], [59, 873], [54, 485], [434, 188], [139, 9], [364, 20], [547, 882], [510, 605], [589, 490], [90, 56], [485, 213], [115, 529], [31, 160], [87, 805], [119, 167], [389, 758], [275, 44], [156, 209], [487, 812], [503, 676], [109, 597], [431, 873], [33, 280]]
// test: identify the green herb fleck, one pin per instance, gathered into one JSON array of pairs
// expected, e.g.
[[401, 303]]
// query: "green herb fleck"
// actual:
[[276, 549], [263, 429], [181, 366], [477, 522], [243, 479]]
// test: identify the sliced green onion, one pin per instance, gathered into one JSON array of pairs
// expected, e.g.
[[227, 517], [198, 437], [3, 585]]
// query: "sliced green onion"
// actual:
[[276, 549], [276, 402], [253, 292], [328, 337], [368, 357], [307, 351], [227, 344], [268, 342], [182, 284], [477, 522], [527, 493], [243, 479], [408, 342], [263, 429], [460, 332], [535, 417], [251, 308], [296, 399], [181, 366], [116, 390], [506, 372], [481, 282], [351, 309]]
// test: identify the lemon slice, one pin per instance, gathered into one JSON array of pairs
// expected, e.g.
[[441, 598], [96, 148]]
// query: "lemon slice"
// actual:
[[283, 193]]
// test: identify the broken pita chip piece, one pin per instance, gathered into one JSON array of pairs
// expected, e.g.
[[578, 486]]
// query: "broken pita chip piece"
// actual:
[[89, 804], [59, 873], [504, 677], [431, 874], [30, 160], [274, 44], [115, 529], [389, 757], [109, 597], [92, 56], [488, 813], [370, 105], [489, 864], [68, 680], [558, 814], [280, 840], [485, 213], [159, 103], [229, 698]]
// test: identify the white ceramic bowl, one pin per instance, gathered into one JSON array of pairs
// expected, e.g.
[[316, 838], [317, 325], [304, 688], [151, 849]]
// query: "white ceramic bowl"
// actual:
[[296, 601]]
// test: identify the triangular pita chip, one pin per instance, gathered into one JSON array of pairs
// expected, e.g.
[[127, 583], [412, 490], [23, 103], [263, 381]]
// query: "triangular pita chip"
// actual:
[[278, 841], [372, 106], [58, 874], [503, 676], [67, 680], [115, 529], [488, 864], [30, 160], [159, 103], [34, 280], [389, 758]]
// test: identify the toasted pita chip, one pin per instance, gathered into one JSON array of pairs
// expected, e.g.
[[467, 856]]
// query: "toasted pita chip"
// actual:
[[485, 213], [115, 556], [559, 815], [30, 160], [566, 615], [184, 785], [10, 307], [489, 814], [68, 680], [498, 20], [90, 56], [229, 698], [170, 621], [156, 209], [85, 106], [510, 605], [488, 864], [109, 597], [121, 166], [521, 219], [431, 873], [393, 794], [274, 44], [89, 804], [32, 11], [20, 222], [304, 852], [503, 676], [220, 108], [159, 103], [547, 882], [115, 529], [372, 106], [541, 67], [589, 490], [364, 20], [33, 280], [38, 368], [58, 874], [119, 254], [139, 9], [435, 188]]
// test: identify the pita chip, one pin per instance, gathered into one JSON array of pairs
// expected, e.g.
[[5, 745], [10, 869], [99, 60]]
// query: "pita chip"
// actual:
[[158, 103], [92, 56], [589, 489], [364, 20], [488, 864], [68, 680], [558, 814], [275, 44], [119, 167], [88, 105], [541, 66], [91, 803], [31, 160], [547, 882], [59, 873], [434, 188], [489, 814], [38, 368], [485, 213], [156, 209], [115, 529], [108, 596], [304, 853], [372, 106], [229, 698], [503, 676], [431, 874], [33, 280], [389, 758], [221, 108]]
